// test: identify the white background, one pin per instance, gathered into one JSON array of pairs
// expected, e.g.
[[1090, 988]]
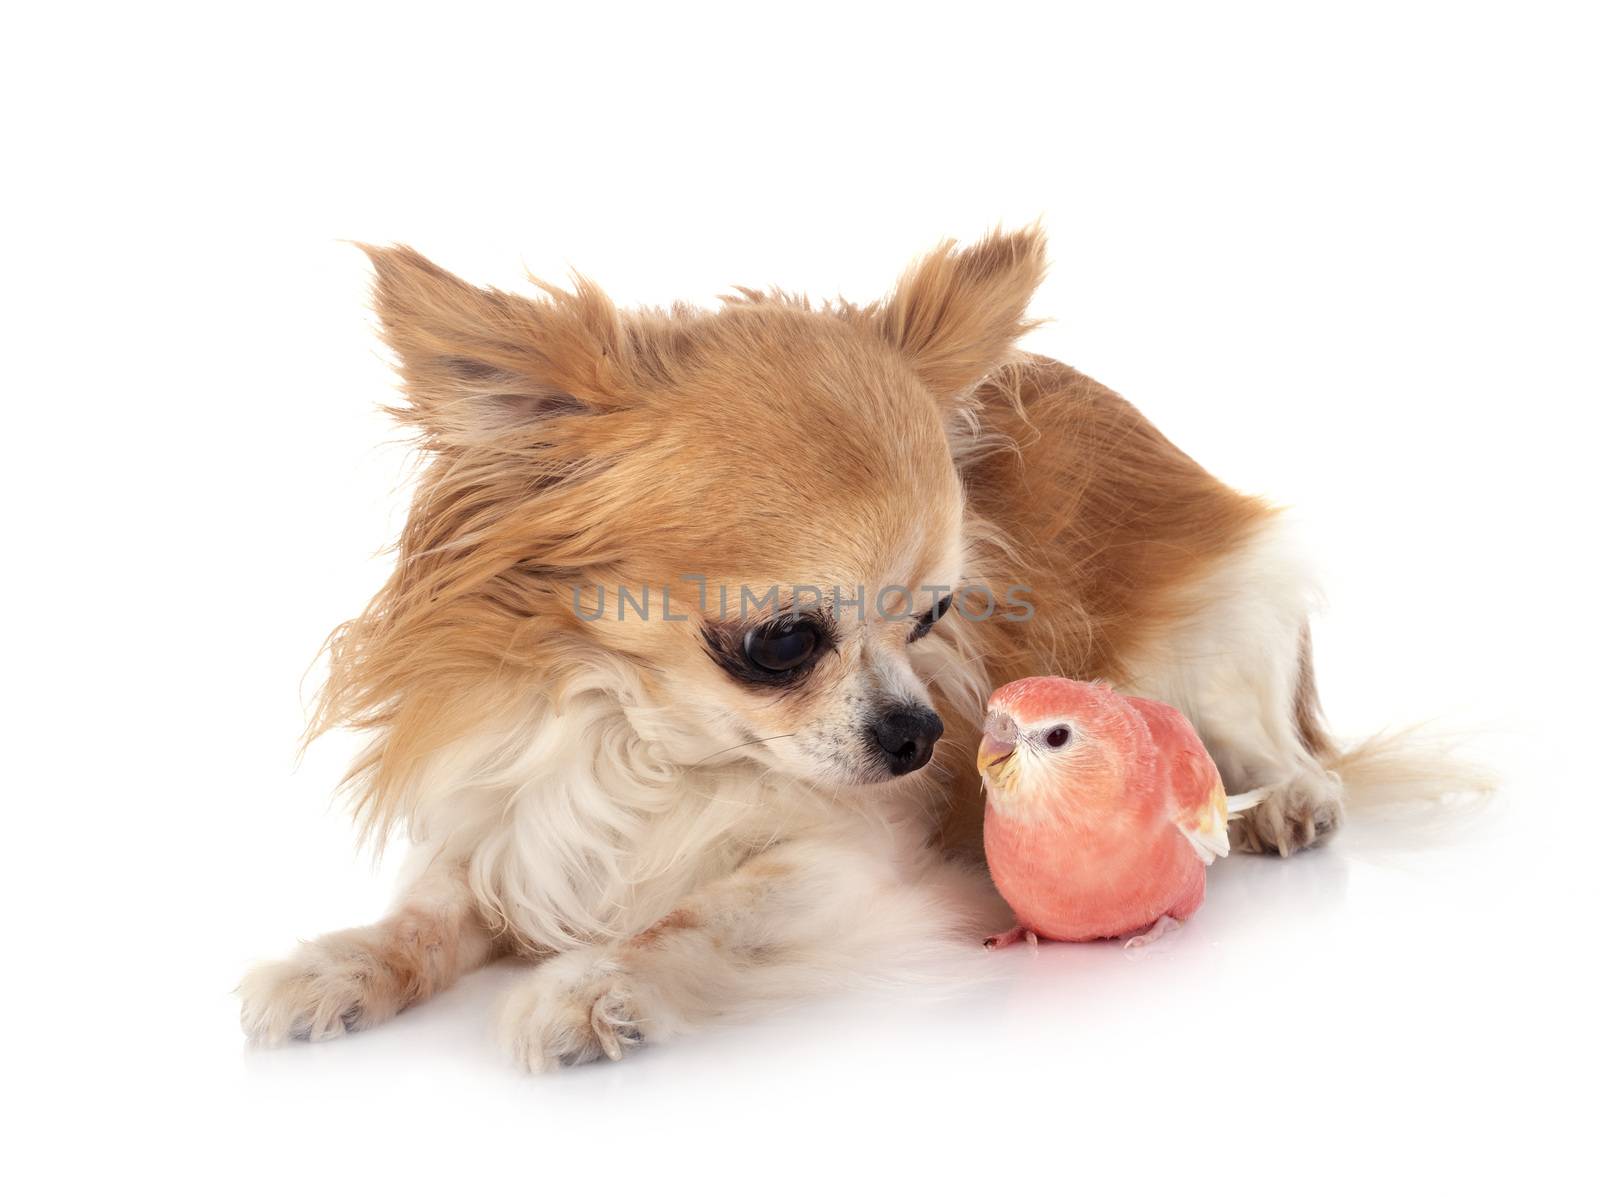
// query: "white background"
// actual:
[[1347, 260]]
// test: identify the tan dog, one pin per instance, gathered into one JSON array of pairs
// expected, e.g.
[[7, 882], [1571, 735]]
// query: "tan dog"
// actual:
[[685, 604]]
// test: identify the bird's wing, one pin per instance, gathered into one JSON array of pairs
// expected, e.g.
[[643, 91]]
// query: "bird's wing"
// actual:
[[1205, 824], [1200, 803]]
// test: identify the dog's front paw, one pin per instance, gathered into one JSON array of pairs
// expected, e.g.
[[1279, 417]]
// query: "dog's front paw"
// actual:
[[575, 1008], [330, 986], [1291, 815]]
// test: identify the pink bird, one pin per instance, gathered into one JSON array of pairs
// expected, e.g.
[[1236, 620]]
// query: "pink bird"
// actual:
[[1103, 811]]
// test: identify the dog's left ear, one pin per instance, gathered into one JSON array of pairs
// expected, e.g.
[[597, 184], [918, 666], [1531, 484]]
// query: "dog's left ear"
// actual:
[[957, 313]]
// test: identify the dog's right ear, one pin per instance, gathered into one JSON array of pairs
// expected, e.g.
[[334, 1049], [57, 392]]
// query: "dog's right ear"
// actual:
[[481, 364]]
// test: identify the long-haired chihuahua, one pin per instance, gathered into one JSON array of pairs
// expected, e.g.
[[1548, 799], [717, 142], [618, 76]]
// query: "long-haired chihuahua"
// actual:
[[675, 685]]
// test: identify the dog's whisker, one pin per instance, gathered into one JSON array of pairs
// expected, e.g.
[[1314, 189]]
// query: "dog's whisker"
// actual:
[[736, 747]]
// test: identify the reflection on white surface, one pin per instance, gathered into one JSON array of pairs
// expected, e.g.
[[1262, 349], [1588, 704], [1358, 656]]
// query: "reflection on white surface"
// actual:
[[1359, 986]]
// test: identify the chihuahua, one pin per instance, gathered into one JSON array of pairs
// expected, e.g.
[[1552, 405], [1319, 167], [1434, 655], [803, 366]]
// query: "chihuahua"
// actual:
[[677, 682]]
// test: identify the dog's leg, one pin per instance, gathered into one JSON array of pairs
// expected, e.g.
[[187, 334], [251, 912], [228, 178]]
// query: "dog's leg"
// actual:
[[802, 917], [1247, 715], [354, 979], [1237, 663], [1301, 799]]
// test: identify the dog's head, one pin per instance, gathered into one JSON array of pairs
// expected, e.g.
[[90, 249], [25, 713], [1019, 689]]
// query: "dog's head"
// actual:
[[755, 512]]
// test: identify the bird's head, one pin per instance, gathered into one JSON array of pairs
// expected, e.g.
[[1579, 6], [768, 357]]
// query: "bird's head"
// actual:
[[1049, 742]]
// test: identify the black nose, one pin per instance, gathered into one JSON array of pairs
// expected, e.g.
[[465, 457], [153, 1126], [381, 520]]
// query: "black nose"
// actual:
[[906, 736]]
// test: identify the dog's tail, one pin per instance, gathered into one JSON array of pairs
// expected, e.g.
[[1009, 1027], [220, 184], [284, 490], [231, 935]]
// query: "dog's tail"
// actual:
[[1409, 767], [1407, 773]]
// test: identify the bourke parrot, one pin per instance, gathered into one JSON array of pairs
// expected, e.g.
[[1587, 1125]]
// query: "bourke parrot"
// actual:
[[1103, 811]]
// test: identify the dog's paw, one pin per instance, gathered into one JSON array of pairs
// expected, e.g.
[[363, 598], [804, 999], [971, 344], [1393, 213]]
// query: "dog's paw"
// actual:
[[573, 1009], [1291, 815], [328, 987]]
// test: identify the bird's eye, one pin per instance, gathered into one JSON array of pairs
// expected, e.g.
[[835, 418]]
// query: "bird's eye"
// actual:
[[782, 646], [1057, 737], [928, 618]]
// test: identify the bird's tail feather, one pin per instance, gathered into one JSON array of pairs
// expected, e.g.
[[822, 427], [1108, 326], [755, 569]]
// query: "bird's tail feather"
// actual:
[[1239, 803]]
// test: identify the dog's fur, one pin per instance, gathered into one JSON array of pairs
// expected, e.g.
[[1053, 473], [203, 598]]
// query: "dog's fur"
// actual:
[[663, 839]]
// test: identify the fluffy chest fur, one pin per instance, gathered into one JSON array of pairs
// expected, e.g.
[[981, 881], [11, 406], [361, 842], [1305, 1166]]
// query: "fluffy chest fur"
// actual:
[[591, 821]]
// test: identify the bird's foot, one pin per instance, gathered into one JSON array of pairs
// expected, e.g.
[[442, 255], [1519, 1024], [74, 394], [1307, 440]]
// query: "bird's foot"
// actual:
[[1152, 933], [1006, 939]]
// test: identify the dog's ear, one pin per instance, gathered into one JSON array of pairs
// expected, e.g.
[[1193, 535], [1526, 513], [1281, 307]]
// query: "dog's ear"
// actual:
[[957, 313], [479, 364]]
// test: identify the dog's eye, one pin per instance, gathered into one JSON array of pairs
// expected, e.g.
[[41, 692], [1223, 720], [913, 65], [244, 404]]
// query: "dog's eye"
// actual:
[[927, 619], [1057, 737], [783, 646]]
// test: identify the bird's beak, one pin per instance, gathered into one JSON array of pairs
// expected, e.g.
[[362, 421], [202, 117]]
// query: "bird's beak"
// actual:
[[996, 758]]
